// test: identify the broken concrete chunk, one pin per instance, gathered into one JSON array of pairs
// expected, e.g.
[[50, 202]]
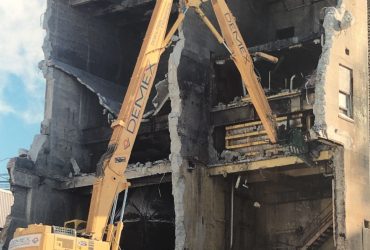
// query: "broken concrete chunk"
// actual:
[[45, 127], [230, 156], [162, 91], [24, 163], [109, 94], [22, 152], [75, 167], [37, 144]]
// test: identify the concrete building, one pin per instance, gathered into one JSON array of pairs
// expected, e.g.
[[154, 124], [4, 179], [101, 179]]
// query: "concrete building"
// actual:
[[203, 174], [6, 201]]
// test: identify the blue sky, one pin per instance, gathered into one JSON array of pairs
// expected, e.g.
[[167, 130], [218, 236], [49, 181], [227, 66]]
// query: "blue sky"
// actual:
[[22, 86]]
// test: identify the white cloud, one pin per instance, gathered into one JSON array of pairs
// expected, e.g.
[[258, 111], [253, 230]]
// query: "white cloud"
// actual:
[[5, 108], [21, 37]]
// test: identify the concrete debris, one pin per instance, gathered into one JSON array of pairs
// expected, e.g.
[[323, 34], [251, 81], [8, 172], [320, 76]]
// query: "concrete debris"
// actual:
[[22, 152], [162, 94], [37, 145], [257, 204], [310, 80], [109, 94], [160, 162], [231, 156], [147, 164], [76, 169]]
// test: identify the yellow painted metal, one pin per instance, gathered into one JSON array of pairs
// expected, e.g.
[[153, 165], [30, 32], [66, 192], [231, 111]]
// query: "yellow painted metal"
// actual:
[[248, 144], [250, 124], [244, 63], [234, 42], [113, 180], [264, 164], [117, 237], [266, 57], [243, 135], [171, 32], [110, 232], [210, 26], [41, 237]]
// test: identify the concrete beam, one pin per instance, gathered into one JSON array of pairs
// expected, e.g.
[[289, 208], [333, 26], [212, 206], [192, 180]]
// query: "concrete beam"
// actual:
[[132, 173], [263, 164], [103, 134], [260, 176]]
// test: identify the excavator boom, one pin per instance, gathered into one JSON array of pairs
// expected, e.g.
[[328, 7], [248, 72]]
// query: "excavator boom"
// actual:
[[126, 127], [244, 63]]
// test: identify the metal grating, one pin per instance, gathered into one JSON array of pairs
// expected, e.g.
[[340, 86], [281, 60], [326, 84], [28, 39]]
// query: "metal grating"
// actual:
[[250, 137], [64, 231], [6, 202]]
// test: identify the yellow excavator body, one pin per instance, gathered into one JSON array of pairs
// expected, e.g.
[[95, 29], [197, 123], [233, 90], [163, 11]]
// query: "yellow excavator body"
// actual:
[[42, 237]]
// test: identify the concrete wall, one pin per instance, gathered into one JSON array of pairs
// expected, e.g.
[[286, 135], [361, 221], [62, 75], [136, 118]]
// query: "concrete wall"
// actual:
[[81, 41], [343, 25], [278, 214], [270, 16], [189, 128], [61, 126]]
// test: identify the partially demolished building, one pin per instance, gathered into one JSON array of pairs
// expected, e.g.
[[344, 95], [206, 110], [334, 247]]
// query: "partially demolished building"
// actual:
[[202, 171]]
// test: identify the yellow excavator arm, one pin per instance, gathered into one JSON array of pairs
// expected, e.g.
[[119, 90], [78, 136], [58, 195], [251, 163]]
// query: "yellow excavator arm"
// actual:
[[111, 180], [126, 127]]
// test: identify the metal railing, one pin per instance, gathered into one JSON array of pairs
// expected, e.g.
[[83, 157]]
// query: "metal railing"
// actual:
[[4, 181], [319, 225]]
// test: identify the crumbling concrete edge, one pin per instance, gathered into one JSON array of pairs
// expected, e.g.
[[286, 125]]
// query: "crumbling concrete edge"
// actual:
[[339, 199], [112, 107], [178, 182], [46, 46], [335, 20]]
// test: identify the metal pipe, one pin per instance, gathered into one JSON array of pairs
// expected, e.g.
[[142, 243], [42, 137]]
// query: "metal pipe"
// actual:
[[291, 82], [113, 213], [266, 57], [123, 205], [285, 83], [232, 217], [212, 28], [269, 80], [244, 89]]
